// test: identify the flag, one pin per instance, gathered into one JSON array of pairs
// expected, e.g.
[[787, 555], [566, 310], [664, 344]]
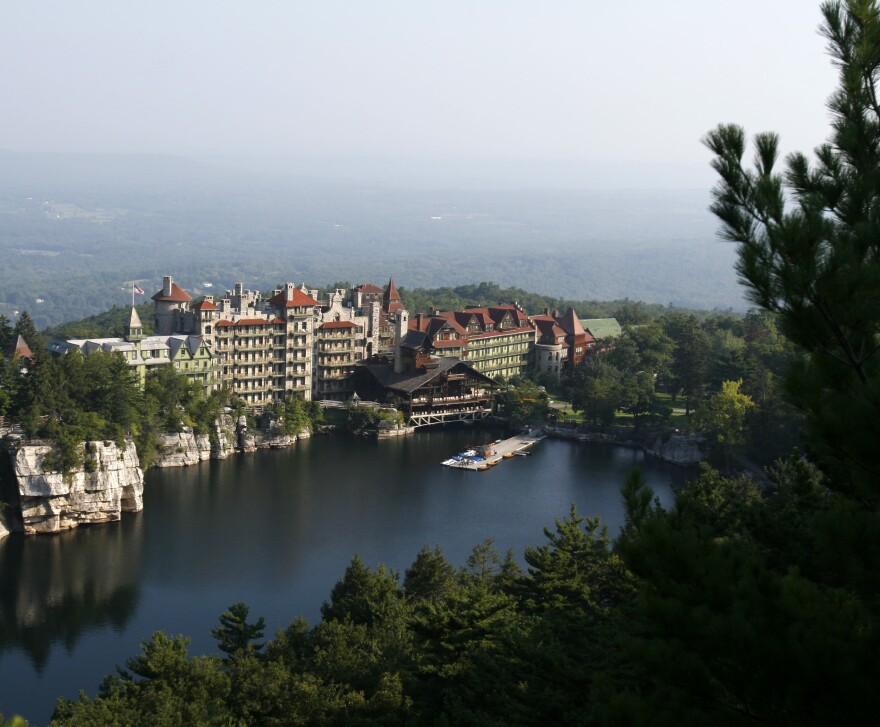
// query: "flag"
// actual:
[[138, 290]]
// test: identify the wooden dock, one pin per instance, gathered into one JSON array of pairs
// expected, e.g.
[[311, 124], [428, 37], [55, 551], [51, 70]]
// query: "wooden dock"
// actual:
[[502, 449]]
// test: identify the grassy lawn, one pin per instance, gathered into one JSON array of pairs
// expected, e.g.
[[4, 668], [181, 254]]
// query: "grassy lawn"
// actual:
[[677, 419]]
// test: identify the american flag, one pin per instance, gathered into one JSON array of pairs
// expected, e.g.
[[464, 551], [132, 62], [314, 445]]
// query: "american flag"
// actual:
[[138, 290]]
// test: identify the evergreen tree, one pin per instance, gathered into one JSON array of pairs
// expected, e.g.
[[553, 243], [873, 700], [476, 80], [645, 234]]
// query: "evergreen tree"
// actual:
[[430, 577], [235, 636], [362, 595], [26, 328], [690, 357], [809, 250]]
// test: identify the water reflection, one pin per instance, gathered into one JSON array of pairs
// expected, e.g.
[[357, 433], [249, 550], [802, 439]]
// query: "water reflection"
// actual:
[[53, 589]]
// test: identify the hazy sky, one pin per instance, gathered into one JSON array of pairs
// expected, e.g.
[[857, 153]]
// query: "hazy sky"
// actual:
[[637, 81]]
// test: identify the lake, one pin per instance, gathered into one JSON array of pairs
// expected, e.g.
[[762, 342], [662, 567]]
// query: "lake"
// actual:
[[275, 529]]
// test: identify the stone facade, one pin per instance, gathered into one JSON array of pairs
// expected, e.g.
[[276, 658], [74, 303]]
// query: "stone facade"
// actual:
[[344, 336]]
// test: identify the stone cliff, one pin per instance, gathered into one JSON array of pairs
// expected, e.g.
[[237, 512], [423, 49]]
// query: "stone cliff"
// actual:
[[109, 483], [227, 437]]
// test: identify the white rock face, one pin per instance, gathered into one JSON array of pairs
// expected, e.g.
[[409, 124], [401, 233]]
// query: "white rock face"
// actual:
[[181, 449], [51, 502]]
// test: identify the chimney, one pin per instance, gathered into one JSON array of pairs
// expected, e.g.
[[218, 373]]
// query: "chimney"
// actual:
[[166, 286], [400, 328], [546, 311]]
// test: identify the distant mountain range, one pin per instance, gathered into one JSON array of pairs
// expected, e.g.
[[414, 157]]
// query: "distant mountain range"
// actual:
[[75, 227]]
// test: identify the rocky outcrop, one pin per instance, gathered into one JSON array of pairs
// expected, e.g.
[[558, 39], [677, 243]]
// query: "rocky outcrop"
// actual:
[[227, 437], [678, 449], [182, 449], [109, 483]]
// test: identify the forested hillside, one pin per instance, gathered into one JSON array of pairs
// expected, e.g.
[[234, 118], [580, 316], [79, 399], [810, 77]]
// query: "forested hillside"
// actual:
[[70, 249]]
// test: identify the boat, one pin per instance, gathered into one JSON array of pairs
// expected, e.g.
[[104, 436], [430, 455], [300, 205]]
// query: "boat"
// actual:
[[508, 455]]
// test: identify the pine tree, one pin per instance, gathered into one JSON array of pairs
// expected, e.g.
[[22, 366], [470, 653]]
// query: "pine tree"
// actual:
[[235, 636], [809, 250]]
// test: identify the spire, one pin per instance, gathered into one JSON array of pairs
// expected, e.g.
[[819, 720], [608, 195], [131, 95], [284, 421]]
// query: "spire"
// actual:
[[20, 349], [135, 329], [391, 298], [391, 295], [570, 323]]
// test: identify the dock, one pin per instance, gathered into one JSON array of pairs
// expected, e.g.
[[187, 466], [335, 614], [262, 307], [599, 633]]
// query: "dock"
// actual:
[[473, 459]]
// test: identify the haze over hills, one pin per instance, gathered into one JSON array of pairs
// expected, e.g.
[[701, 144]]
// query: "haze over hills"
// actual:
[[75, 227]]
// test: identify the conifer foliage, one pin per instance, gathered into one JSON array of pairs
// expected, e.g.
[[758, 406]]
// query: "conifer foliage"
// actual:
[[809, 249]]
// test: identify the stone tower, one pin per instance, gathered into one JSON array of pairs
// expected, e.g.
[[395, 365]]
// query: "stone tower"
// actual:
[[171, 304]]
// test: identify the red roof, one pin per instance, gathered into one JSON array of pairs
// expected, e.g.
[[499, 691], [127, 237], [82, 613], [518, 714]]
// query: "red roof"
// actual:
[[19, 348], [369, 288], [391, 292], [205, 305], [338, 324], [299, 300], [570, 322], [178, 295], [457, 343], [391, 298]]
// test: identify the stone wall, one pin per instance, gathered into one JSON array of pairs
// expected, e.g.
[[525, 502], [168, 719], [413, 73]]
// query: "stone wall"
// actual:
[[110, 484]]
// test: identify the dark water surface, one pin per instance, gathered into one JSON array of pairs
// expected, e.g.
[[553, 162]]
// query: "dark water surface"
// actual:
[[276, 530]]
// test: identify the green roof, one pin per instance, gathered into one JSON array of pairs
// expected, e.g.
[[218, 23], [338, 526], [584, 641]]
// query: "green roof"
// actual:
[[600, 328]]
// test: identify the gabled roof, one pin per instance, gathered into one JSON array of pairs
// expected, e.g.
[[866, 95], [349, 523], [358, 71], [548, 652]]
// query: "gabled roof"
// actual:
[[414, 339], [337, 324], [548, 327], [205, 305], [178, 295], [408, 383], [192, 343], [369, 289], [19, 349], [298, 299], [602, 327]]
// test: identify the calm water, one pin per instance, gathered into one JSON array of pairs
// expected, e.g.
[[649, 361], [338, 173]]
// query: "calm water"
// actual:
[[274, 529]]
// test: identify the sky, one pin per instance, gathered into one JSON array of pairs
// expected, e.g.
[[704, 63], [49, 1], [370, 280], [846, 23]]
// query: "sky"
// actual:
[[489, 82]]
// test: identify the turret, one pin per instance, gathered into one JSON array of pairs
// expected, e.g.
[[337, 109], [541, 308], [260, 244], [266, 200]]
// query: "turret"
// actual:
[[170, 304]]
